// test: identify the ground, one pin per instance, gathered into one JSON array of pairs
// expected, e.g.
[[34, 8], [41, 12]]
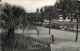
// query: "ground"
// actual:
[[62, 38], [66, 46], [66, 35]]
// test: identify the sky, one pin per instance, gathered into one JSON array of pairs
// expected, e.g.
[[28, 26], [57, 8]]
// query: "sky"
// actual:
[[31, 5]]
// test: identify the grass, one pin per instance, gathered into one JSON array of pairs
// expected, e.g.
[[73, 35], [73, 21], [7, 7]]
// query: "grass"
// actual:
[[25, 42]]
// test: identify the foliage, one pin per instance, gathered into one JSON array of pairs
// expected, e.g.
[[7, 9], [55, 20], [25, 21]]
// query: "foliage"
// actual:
[[51, 12], [69, 9], [12, 15]]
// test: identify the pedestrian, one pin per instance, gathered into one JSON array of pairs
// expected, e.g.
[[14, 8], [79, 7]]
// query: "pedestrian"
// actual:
[[53, 39]]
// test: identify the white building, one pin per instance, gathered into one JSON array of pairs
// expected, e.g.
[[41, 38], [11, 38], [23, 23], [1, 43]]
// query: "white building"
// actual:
[[67, 19], [61, 19], [45, 20]]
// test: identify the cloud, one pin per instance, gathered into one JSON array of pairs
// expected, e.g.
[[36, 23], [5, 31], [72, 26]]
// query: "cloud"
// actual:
[[31, 5]]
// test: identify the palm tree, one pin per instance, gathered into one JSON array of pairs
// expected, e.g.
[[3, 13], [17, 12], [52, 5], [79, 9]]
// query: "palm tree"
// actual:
[[14, 17], [11, 14]]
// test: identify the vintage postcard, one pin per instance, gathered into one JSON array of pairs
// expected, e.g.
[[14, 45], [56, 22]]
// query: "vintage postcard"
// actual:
[[39, 25]]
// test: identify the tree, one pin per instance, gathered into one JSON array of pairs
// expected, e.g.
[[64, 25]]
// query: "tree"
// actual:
[[42, 15], [12, 16], [51, 12], [48, 10], [70, 9]]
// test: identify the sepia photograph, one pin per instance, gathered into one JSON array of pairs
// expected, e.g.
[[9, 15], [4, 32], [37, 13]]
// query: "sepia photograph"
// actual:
[[39, 25]]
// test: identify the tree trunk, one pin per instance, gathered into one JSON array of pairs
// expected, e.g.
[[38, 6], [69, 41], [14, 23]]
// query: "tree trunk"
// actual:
[[38, 32], [49, 27], [8, 39], [2, 46], [77, 32], [10, 36], [23, 30]]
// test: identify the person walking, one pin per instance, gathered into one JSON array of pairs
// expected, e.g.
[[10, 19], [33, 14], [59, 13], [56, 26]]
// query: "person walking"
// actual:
[[53, 39]]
